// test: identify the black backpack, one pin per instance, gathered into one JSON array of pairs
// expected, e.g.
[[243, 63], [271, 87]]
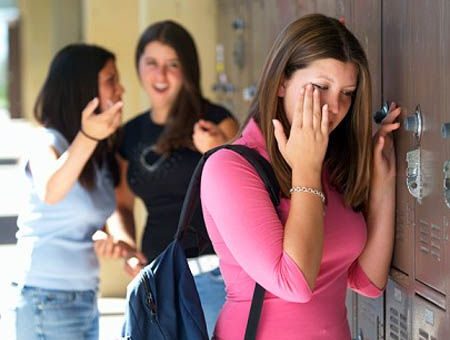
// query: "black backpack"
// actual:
[[162, 300]]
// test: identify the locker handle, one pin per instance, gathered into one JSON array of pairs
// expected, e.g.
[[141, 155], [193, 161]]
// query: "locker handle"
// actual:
[[414, 123], [379, 115]]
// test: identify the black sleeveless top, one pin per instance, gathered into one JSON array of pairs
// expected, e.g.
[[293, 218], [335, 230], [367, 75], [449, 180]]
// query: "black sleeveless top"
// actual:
[[161, 181]]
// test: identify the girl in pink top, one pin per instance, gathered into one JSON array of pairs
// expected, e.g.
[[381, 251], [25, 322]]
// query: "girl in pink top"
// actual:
[[311, 119]]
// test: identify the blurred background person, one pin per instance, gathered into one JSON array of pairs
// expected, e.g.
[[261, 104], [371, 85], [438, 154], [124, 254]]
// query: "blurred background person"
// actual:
[[70, 173], [160, 149]]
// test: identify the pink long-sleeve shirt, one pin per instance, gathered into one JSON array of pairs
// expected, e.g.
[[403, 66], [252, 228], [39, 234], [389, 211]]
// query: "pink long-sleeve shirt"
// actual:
[[247, 234]]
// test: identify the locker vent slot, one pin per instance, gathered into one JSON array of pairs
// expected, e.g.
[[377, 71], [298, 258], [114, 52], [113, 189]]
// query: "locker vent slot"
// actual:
[[397, 325], [430, 239], [405, 220], [436, 239], [403, 327], [423, 335]]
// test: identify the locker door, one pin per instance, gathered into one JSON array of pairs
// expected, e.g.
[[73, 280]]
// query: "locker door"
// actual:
[[266, 20], [398, 309], [445, 60], [233, 37], [351, 303], [246, 30], [364, 19], [431, 263], [337, 9], [429, 321], [445, 20], [370, 318], [397, 80]]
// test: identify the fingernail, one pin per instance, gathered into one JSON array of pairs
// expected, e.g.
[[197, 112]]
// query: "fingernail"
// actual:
[[273, 122]]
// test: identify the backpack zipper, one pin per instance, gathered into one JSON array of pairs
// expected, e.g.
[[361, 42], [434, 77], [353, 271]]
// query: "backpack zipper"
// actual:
[[150, 300], [152, 305]]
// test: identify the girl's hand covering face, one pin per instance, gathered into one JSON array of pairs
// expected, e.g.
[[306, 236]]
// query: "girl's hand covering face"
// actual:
[[308, 138]]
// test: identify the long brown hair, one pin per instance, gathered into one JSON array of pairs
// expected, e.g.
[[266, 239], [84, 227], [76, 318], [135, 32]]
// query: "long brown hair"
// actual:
[[72, 81], [189, 104], [348, 158]]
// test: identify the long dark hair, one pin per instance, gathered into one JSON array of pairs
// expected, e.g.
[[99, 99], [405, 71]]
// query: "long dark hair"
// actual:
[[348, 158], [72, 81], [189, 104]]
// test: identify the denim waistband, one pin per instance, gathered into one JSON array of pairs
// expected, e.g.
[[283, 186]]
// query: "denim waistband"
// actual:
[[203, 264]]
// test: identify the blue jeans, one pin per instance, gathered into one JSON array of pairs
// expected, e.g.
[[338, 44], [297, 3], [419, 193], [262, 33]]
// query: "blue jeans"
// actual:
[[47, 314], [211, 289]]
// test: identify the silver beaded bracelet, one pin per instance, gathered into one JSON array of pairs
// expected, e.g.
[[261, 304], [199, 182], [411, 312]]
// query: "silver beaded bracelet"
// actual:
[[310, 190]]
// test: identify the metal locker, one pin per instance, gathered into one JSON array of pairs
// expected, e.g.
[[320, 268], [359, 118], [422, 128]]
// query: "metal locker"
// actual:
[[370, 318], [445, 118], [416, 73], [398, 312], [246, 33], [352, 314], [232, 63], [247, 29], [397, 77], [428, 321], [431, 243], [363, 18], [412, 79], [268, 18]]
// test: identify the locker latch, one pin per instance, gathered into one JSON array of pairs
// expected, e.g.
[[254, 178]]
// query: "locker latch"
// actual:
[[249, 92], [414, 177], [446, 183], [445, 132], [239, 44]]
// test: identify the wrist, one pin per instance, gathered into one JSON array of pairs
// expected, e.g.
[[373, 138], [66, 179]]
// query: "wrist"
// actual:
[[383, 185], [83, 142], [89, 136], [308, 178]]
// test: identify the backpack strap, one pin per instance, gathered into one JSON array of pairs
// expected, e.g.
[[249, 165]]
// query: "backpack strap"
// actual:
[[265, 171], [255, 312], [192, 198]]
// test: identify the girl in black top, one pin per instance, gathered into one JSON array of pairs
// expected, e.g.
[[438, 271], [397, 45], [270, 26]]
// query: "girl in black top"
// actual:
[[162, 146]]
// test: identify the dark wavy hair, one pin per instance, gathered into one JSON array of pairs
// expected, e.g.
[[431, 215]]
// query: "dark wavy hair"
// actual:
[[189, 104], [348, 158], [72, 81]]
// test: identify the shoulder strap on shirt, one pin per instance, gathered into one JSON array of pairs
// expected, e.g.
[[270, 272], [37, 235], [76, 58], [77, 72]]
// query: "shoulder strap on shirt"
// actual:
[[265, 171]]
